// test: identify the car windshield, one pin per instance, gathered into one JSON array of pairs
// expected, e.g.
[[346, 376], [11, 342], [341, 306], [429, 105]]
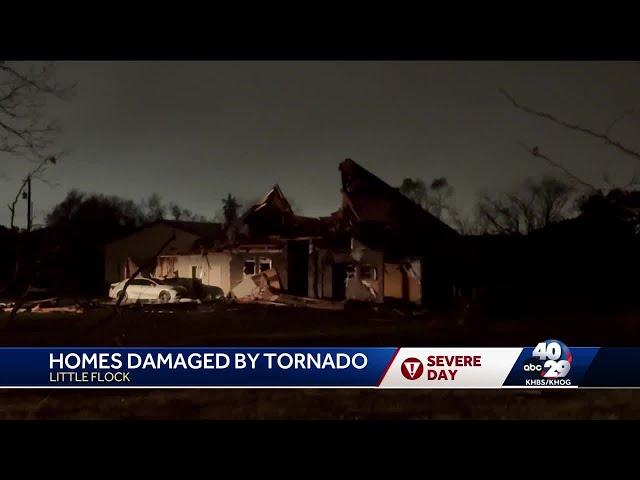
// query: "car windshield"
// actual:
[[147, 282]]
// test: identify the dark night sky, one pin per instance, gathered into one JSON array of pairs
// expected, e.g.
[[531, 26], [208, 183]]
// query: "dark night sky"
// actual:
[[193, 131]]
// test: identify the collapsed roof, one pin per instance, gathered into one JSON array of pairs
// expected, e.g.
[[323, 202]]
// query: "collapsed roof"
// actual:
[[382, 217], [273, 216], [200, 229], [372, 211]]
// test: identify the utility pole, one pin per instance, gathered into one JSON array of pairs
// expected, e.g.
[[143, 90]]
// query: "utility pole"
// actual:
[[29, 205]]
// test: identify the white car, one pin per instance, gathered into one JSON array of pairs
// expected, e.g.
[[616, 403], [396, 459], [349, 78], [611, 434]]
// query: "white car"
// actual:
[[146, 289]]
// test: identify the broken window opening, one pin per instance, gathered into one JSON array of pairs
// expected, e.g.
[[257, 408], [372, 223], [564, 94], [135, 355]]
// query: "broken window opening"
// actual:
[[368, 272], [249, 267], [264, 264], [350, 270]]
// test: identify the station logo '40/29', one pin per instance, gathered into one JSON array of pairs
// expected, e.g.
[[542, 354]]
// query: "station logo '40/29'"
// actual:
[[551, 358]]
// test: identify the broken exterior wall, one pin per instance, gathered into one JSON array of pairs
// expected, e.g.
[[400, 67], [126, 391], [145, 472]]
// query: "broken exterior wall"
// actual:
[[220, 269], [166, 267], [414, 269], [325, 261], [278, 261], [328, 277], [366, 275], [365, 281], [402, 281], [385, 219], [330, 270], [141, 247], [320, 268], [212, 269], [320, 273]]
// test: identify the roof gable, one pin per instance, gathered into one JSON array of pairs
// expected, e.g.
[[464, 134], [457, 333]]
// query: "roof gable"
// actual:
[[201, 230], [274, 199], [371, 199]]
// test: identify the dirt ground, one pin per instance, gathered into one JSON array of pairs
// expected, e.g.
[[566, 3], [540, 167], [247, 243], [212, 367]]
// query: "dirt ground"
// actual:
[[261, 325], [317, 404]]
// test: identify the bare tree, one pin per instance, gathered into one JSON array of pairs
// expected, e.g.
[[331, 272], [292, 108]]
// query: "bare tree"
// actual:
[[436, 198], [24, 90], [550, 197], [439, 200], [179, 213], [24, 130], [533, 206], [416, 190], [230, 209], [465, 224], [176, 211], [154, 208], [498, 215]]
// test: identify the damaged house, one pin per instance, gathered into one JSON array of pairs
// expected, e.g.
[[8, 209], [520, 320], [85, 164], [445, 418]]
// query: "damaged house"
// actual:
[[267, 239], [140, 248], [378, 246], [400, 251]]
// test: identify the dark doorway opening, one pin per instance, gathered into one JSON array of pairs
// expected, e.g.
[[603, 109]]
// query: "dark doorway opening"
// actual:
[[298, 275], [339, 281]]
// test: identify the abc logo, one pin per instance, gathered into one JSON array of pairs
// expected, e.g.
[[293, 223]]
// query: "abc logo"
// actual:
[[532, 367]]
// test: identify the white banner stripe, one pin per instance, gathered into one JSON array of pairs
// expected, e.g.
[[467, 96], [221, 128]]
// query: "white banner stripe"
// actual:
[[450, 367]]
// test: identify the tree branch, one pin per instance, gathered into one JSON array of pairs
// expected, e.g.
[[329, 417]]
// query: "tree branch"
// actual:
[[23, 94], [572, 126], [535, 151], [53, 89], [617, 120]]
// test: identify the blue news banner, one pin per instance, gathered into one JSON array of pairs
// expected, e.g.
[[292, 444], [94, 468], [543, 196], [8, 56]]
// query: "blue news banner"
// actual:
[[192, 367], [550, 364]]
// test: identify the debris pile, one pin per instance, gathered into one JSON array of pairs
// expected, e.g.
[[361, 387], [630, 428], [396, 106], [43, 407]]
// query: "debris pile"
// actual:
[[46, 305], [184, 304], [263, 286], [296, 301], [266, 288]]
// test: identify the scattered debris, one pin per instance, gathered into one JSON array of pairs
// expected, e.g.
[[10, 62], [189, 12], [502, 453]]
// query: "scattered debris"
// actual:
[[269, 278], [45, 302], [158, 307], [263, 286], [189, 300], [246, 289], [295, 301], [269, 302], [71, 309], [372, 291], [361, 289], [46, 305]]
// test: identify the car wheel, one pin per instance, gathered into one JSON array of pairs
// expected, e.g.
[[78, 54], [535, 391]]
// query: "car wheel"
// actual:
[[122, 296], [164, 296]]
